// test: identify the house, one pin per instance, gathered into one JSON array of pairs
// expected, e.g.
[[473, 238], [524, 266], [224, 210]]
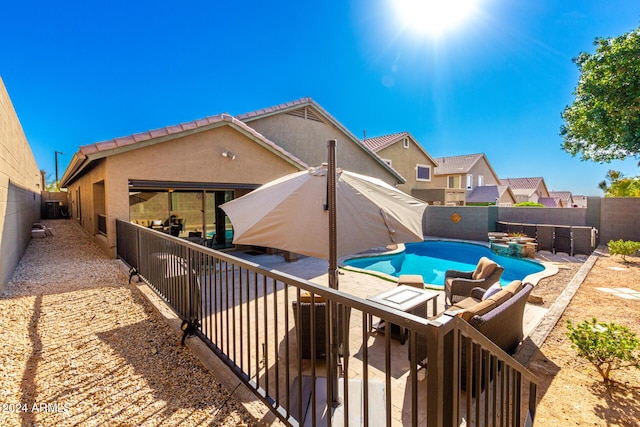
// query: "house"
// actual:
[[550, 202], [303, 127], [460, 175], [565, 198], [174, 178], [21, 182], [402, 152], [580, 201], [486, 195], [527, 189]]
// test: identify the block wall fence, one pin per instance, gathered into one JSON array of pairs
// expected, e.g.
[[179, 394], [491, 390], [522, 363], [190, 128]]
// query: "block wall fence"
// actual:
[[614, 218]]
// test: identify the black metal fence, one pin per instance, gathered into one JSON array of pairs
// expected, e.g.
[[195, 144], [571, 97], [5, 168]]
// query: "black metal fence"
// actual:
[[246, 315]]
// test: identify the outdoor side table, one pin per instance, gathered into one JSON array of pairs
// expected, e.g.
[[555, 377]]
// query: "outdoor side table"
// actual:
[[407, 299]]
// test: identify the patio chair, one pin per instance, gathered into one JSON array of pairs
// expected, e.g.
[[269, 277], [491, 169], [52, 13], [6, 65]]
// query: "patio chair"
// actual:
[[458, 284], [321, 335]]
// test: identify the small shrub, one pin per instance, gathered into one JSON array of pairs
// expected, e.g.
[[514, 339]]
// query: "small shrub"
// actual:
[[623, 248], [608, 347], [528, 205]]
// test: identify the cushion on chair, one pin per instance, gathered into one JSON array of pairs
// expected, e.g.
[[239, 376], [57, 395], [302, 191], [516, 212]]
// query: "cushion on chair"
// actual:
[[493, 289], [484, 268], [305, 296], [514, 287], [478, 309]]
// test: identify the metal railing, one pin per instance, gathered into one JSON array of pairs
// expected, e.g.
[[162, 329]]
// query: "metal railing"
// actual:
[[246, 315]]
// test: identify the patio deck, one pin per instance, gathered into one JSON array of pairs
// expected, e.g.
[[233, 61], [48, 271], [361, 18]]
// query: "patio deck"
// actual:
[[365, 286]]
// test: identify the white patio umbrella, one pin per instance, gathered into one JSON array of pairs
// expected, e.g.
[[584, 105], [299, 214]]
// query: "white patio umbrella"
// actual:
[[326, 213], [292, 214]]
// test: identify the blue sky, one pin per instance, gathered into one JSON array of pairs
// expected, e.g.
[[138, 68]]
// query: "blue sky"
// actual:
[[83, 72]]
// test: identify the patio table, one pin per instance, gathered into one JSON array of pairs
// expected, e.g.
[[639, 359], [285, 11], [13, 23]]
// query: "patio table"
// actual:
[[405, 298]]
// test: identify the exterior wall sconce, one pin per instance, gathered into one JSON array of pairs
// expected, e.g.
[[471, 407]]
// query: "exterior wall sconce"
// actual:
[[229, 154]]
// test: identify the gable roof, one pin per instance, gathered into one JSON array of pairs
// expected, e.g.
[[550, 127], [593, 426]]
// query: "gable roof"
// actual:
[[90, 153], [565, 196], [550, 202], [488, 193], [525, 186], [454, 165], [378, 143], [297, 107]]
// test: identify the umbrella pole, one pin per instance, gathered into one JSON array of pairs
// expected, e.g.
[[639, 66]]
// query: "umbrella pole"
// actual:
[[333, 274]]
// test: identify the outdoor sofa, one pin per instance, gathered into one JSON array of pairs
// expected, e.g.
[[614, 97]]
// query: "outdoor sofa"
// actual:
[[499, 317]]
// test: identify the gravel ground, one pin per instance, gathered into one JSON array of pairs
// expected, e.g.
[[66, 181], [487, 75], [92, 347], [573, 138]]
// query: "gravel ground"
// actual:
[[82, 347]]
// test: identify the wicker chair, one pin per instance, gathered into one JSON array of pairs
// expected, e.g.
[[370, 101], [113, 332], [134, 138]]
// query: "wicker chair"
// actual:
[[321, 335], [458, 284]]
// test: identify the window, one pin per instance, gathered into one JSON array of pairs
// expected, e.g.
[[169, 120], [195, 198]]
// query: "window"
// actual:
[[423, 173], [405, 143], [480, 180], [453, 181], [469, 182]]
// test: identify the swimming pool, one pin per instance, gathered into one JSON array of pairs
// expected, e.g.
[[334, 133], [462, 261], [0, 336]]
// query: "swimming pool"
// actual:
[[432, 259]]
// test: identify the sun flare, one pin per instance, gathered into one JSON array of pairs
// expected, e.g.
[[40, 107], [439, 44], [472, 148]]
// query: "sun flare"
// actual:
[[434, 17]]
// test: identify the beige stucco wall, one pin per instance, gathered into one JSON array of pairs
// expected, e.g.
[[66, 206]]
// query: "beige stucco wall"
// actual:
[[481, 168], [20, 181], [307, 139], [405, 161], [194, 158]]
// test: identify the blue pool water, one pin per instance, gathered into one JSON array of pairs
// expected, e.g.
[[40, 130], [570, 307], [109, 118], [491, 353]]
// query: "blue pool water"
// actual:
[[432, 259]]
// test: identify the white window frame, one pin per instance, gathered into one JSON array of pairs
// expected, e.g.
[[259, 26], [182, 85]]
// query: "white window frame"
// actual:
[[418, 175], [480, 180], [405, 143], [454, 182], [469, 182]]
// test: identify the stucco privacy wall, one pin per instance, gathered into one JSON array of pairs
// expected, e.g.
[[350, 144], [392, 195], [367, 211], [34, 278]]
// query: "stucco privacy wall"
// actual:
[[192, 158], [615, 218], [459, 222], [620, 219], [19, 188]]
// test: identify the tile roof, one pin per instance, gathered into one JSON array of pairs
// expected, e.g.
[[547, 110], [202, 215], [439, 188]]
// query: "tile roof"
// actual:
[[457, 164], [277, 108], [484, 194], [565, 196], [549, 202], [379, 142], [90, 152], [487, 193], [522, 183]]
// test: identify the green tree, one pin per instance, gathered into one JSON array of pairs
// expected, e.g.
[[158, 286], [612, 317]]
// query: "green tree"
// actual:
[[619, 186], [603, 123]]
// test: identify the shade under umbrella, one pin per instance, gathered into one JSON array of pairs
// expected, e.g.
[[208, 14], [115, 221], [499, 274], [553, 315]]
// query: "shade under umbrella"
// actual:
[[291, 214]]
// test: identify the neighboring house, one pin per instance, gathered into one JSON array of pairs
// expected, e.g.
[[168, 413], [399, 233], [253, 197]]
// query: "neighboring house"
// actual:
[[565, 198], [186, 170], [580, 201], [303, 127], [180, 174], [21, 182], [527, 189], [402, 152], [550, 202], [486, 195], [460, 175]]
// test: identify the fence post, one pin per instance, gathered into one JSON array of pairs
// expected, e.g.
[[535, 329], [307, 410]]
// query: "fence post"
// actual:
[[442, 404]]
